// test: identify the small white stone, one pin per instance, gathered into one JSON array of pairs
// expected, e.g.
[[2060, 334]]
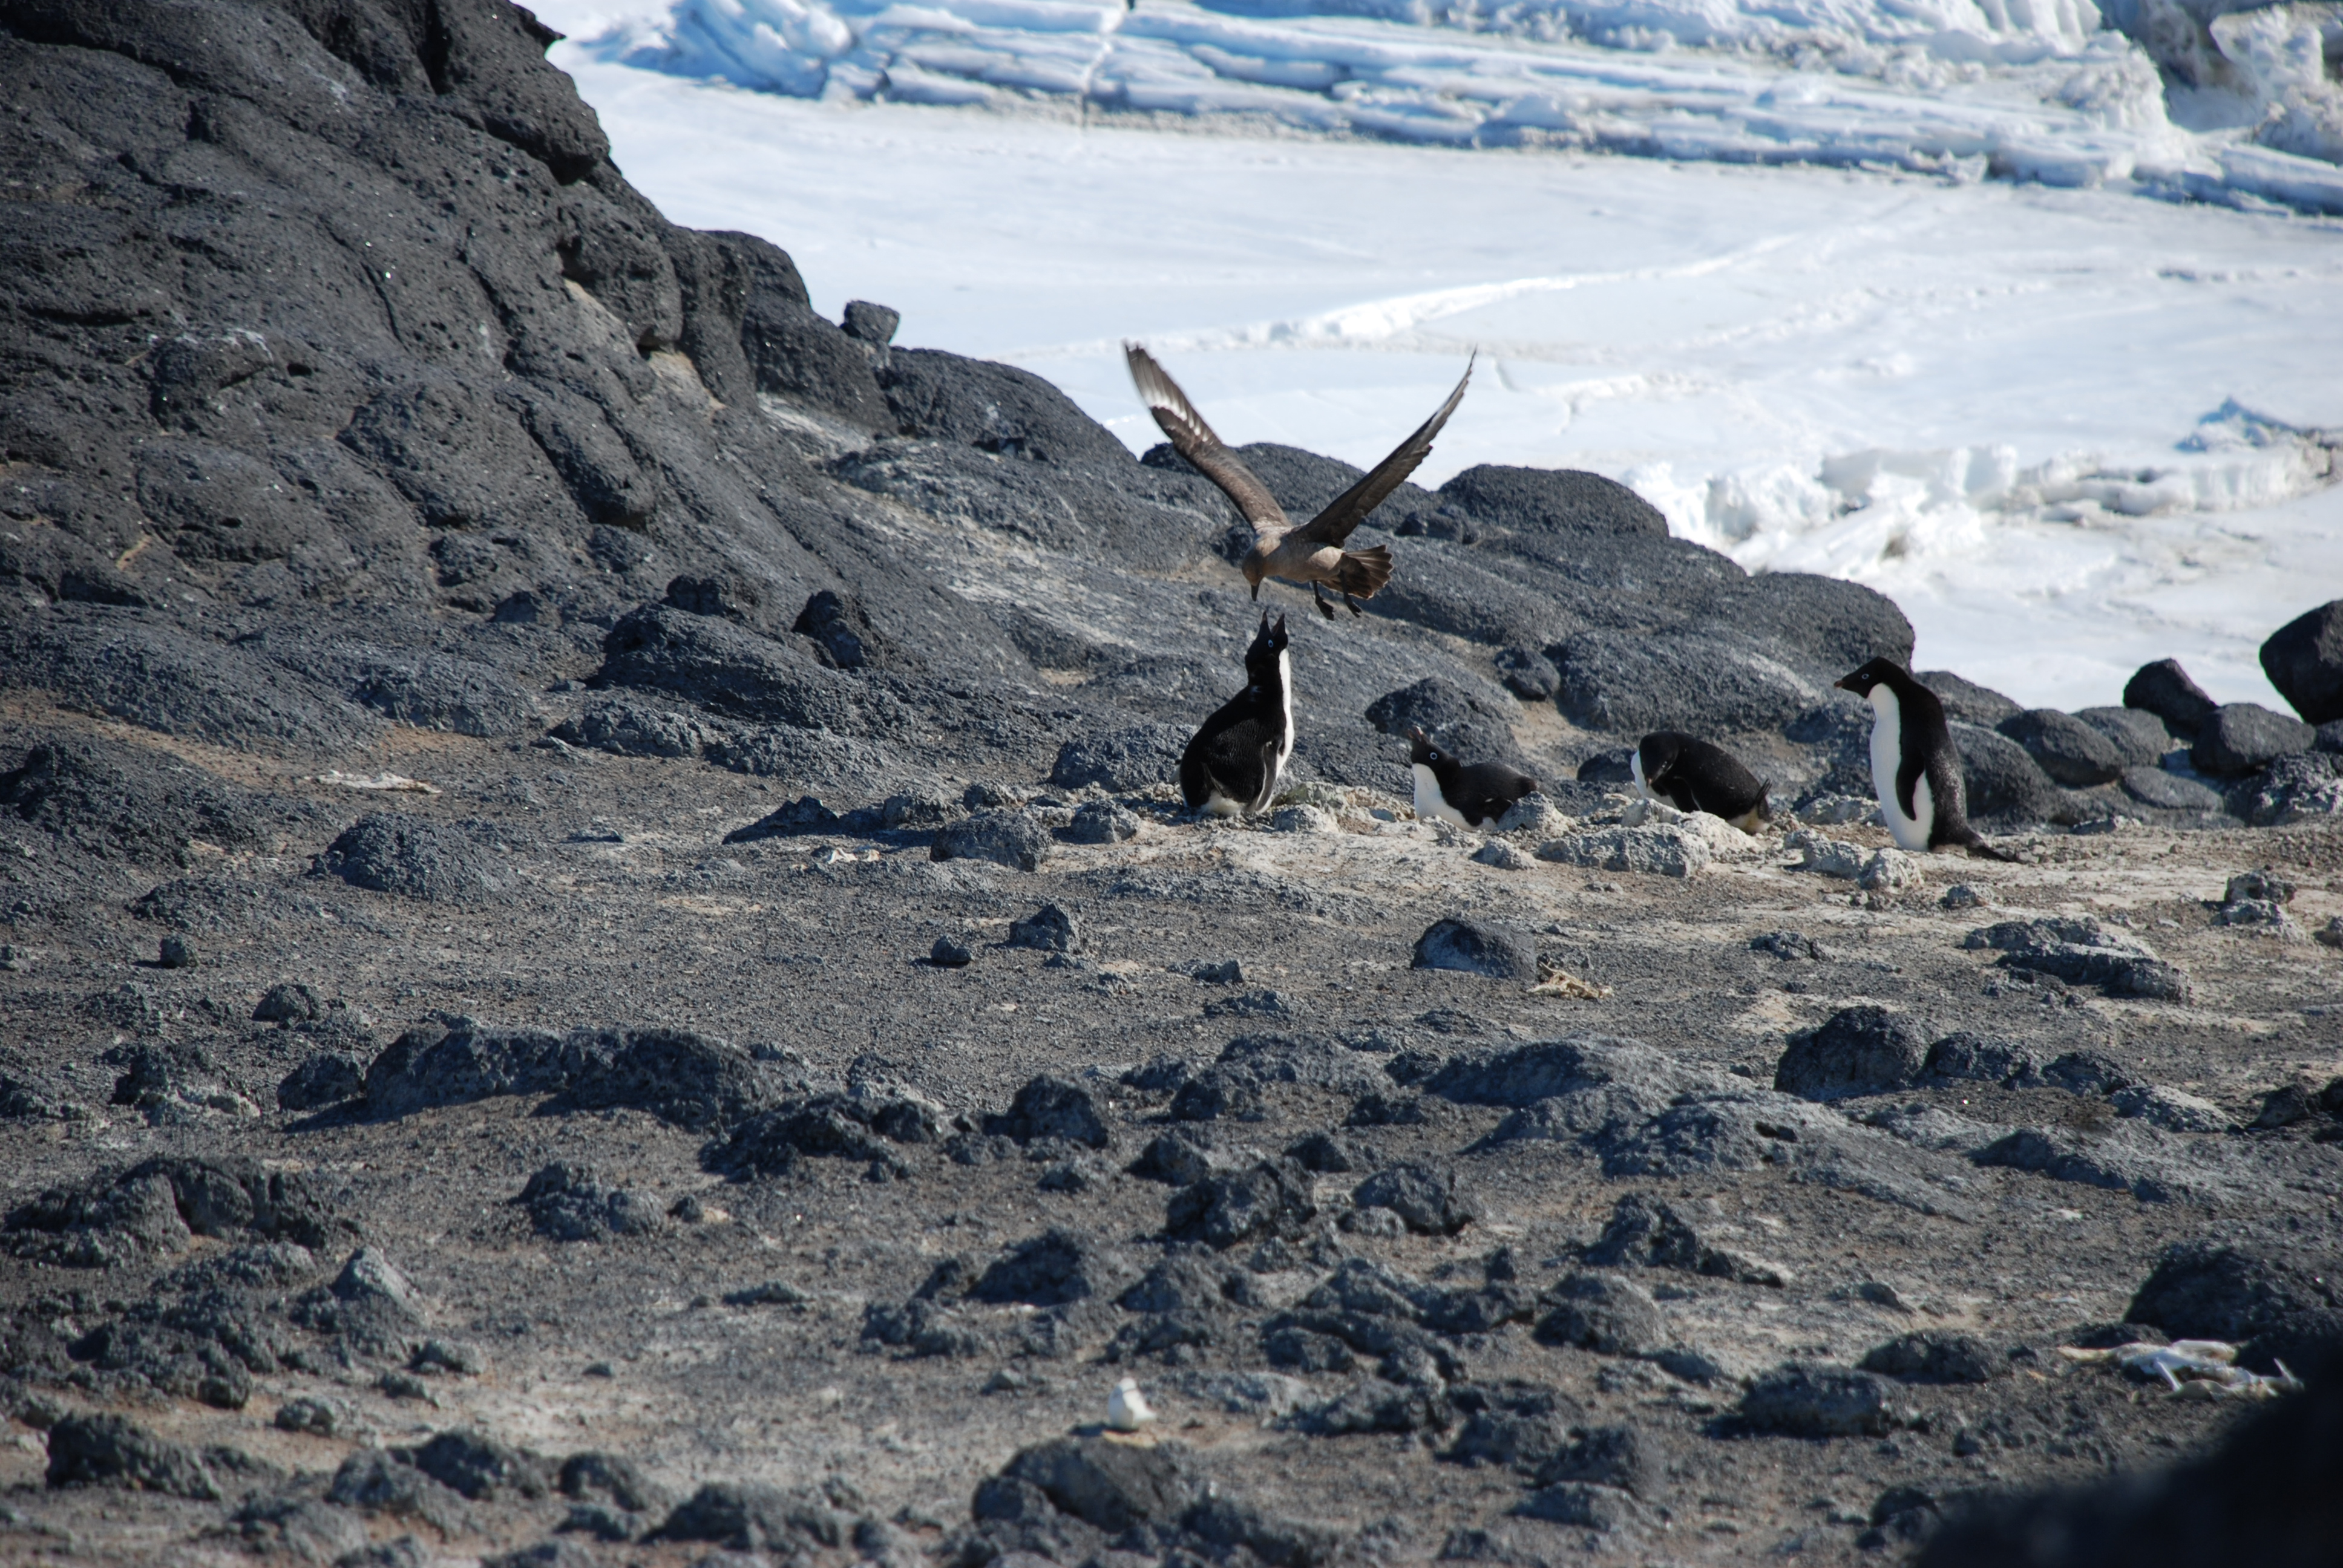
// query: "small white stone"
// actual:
[[1127, 1408]]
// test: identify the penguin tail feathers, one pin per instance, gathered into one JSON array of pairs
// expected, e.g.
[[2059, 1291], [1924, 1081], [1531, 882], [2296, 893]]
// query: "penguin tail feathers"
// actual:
[[1364, 572]]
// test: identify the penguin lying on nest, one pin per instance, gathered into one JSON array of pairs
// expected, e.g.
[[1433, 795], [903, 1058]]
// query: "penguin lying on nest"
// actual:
[[1233, 765], [1692, 775], [1914, 770], [1313, 553], [1470, 795]]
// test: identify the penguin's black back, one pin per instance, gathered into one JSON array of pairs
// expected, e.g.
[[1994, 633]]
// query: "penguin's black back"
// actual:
[[1237, 751], [1696, 775], [1483, 791], [1925, 743]]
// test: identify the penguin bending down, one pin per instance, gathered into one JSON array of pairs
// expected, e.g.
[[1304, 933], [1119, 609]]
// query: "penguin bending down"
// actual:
[[1692, 775], [1468, 795], [1914, 770], [1232, 766]]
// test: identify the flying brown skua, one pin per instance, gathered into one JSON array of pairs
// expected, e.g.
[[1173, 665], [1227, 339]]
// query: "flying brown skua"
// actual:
[[1313, 553]]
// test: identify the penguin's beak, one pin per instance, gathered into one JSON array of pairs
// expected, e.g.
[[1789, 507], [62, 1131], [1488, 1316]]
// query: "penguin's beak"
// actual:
[[1848, 683]]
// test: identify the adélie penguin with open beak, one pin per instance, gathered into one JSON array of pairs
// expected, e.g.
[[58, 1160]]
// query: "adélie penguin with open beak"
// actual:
[[1915, 769], [1233, 763], [1313, 553], [1466, 794]]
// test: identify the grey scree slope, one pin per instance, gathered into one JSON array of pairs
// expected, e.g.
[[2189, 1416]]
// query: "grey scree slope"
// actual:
[[591, 1150]]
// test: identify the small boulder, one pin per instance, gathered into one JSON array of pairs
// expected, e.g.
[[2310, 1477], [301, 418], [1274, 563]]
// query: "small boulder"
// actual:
[[1984, 1058], [1804, 1400], [1604, 1313], [2139, 737], [1966, 702], [1048, 930], [2238, 738], [1478, 947], [1012, 839], [326, 1079], [2304, 659], [1271, 1200], [951, 952], [1102, 822], [2071, 751], [2164, 689], [1933, 1355], [1051, 1107], [289, 1002], [1122, 761], [1857, 1050], [1428, 1201]]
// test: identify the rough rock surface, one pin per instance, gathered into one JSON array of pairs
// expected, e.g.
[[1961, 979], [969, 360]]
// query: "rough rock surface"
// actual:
[[634, 652]]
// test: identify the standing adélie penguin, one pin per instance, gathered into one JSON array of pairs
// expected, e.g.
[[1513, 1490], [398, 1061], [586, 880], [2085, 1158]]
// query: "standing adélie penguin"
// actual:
[[1232, 766], [1692, 775], [1468, 795], [1914, 770]]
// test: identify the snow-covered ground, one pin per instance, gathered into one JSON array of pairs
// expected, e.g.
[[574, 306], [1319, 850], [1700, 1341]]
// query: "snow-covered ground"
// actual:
[[2067, 429]]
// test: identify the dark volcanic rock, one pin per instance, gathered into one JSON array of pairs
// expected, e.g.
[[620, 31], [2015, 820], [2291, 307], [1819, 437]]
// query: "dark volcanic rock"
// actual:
[[1636, 683], [2139, 737], [1553, 502], [2304, 659], [2164, 689], [2084, 952], [1966, 702], [1052, 1107], [717, 664], [1985, 1058], [1112, 1486], [1271, 1200], [1121, 760], [1808, 1401], [1933, 1355], [694, 1082], [1011, 839], [1857, 1050], [123, 802], [440, 863], [995, 408], [1457, 720], [1527, 673], [748, 1517], [479, 1467], [1428, 1201], [2070, 751], [1048, 930], [2203, 1290], [329, 1078], [2237, 738], [1477, 946], [568, 1204], [108, 1450], [2169, 791], [824, 1127], [1600, 1312], [2002, 780], [156, 1206]]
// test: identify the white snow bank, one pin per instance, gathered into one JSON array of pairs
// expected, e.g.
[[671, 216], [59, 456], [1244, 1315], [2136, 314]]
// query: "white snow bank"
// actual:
[[2028, 89]]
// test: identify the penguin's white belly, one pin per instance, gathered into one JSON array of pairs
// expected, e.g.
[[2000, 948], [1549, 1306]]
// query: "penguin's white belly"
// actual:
[[1285, 697], [1911, 832], [1636, 766], [1430, 802], [1218, 805]]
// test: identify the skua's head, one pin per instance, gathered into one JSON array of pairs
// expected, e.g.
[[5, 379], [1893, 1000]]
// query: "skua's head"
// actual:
[[1255, 567]]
